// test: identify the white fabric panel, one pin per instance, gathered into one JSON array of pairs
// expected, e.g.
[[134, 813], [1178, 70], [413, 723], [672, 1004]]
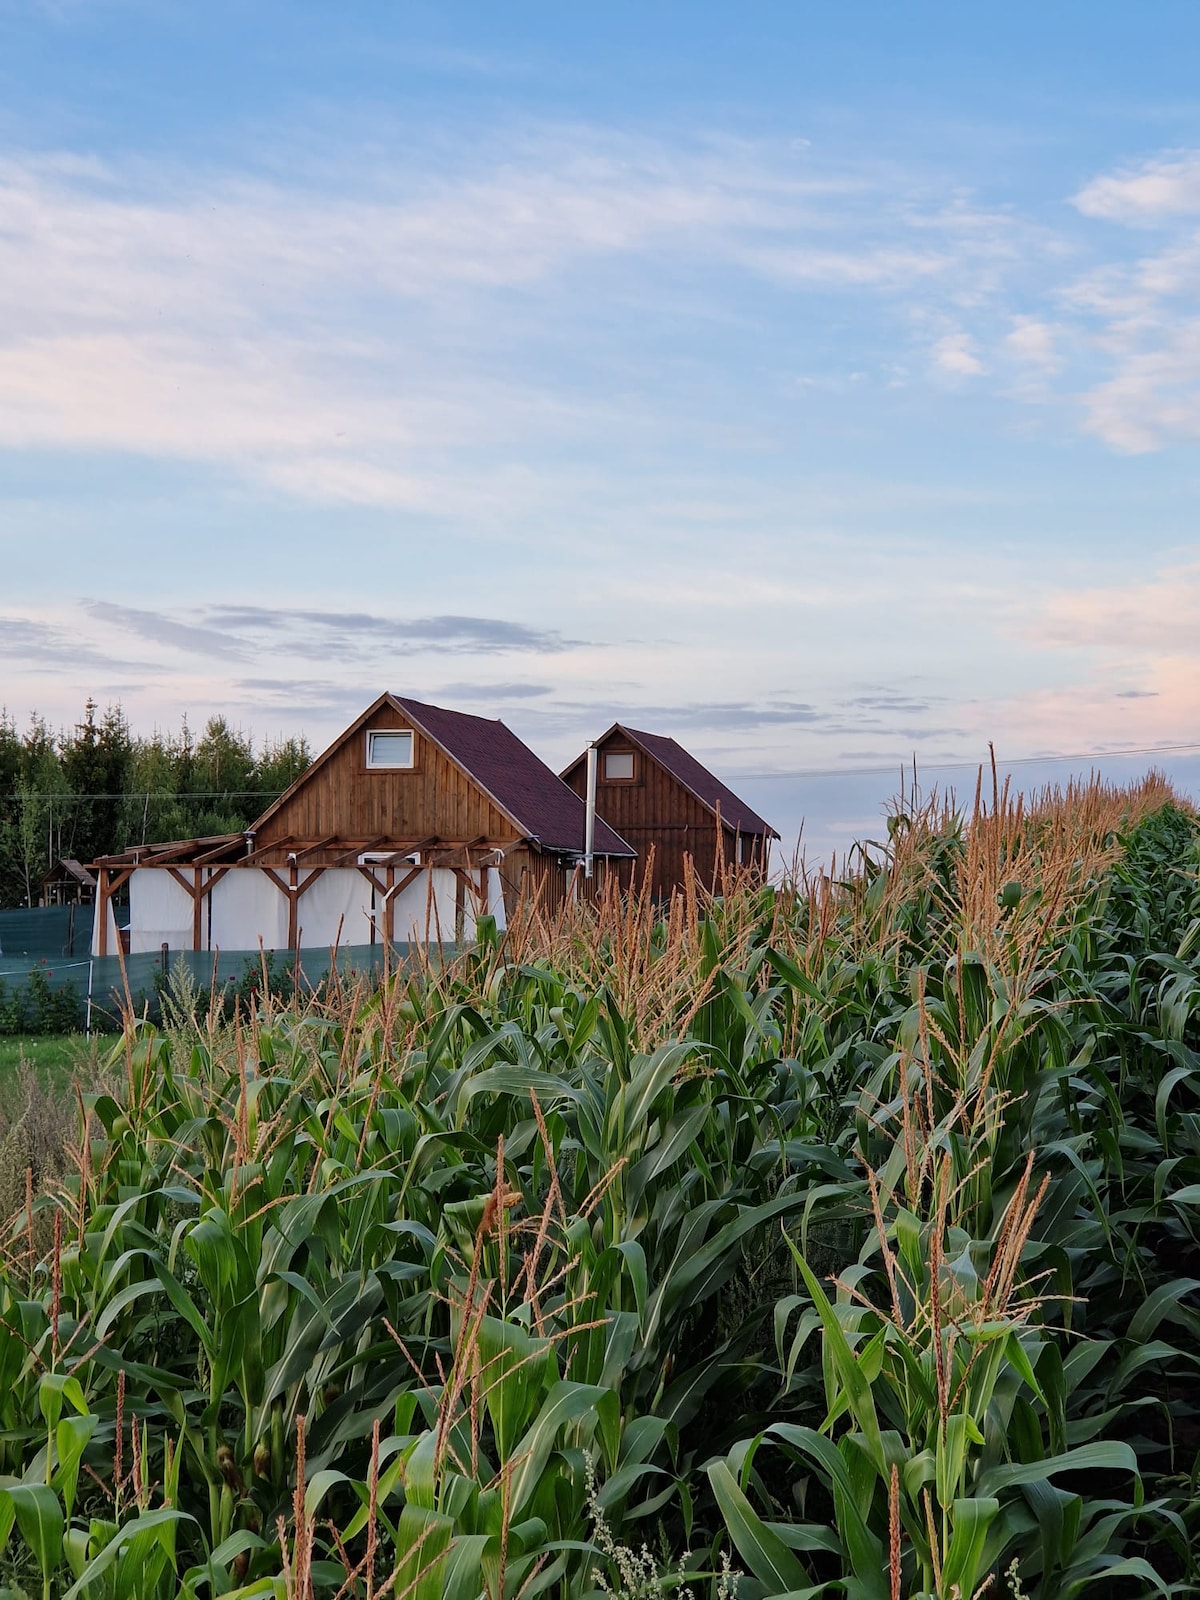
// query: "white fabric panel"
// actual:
[[421, 916], [337, 897], [470, 910], [160, 912], [246, 907], [496, 898]]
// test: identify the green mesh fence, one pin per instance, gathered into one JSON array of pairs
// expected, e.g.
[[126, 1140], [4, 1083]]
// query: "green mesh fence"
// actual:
[[46, 932], [54, 994]]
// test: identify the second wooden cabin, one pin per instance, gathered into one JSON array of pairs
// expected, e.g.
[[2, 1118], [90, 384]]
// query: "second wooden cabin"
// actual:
[[656, 795]]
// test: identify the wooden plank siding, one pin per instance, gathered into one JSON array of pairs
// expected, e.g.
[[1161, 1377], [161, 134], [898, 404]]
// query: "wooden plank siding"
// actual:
[[653, 810], [527, 874], [384, 807], [346, 798]]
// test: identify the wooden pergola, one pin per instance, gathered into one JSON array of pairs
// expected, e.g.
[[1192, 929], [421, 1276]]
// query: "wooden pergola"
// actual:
[[293, 865]]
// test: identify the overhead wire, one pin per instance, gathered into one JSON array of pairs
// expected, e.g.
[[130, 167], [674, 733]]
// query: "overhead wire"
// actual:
[[1002, 763], [791, 773]]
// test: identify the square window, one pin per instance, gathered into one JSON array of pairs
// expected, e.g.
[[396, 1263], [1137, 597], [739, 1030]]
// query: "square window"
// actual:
[[390, 750], [618, 766]]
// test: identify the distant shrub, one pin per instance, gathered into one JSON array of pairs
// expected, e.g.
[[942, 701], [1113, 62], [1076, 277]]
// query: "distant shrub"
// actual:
[[11, 1011], [41, 1006], [51, 1009]]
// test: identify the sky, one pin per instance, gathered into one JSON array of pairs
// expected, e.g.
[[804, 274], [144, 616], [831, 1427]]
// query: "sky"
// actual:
[[819, 385]]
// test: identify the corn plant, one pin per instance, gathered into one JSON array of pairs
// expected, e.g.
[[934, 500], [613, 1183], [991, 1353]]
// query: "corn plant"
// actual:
[[704, 1223]]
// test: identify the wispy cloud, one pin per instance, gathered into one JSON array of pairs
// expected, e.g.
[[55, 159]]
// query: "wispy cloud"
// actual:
[[330, 339], [1034, 342], [163, 628], [889, 702], [1157, 617], [324, 632], [349, 339], [1134, 315], [1152, 191], [52, 647], [305, 704], [475, 692], [955, 353], [240, 633]]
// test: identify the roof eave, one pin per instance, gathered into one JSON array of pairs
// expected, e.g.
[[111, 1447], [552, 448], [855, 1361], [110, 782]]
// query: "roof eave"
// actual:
[[767, 831], [406, 710], [528, 837]]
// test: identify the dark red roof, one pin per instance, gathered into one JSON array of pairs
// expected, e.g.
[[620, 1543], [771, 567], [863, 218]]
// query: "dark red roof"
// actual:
[[735, 813], [537, 800]]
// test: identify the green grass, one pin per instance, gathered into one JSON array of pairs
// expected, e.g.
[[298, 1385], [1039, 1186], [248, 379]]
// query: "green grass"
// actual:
[[55, 1056]]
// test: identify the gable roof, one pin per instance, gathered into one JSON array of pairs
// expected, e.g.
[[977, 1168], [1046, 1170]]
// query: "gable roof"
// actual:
[[535, 800], [520, 783], [68, 867], [694, 777]]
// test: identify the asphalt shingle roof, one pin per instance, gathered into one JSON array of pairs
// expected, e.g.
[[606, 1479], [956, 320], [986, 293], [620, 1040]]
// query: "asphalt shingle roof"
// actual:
[[735, 813], [523, 785]]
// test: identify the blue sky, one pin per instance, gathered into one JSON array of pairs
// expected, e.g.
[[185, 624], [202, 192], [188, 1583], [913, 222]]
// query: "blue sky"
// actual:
[[818, 384]]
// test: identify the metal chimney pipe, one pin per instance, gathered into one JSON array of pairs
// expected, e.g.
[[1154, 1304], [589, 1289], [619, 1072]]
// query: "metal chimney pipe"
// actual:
[[589, 827]]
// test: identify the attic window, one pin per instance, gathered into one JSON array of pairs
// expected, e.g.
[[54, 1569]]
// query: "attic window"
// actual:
[[390, 749], [618, 766]]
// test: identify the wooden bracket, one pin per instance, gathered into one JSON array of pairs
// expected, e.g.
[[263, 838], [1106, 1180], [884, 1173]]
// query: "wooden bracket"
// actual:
[[293, 889]]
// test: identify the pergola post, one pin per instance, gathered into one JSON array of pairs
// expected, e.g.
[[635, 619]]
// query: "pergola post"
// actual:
[[102, 893]]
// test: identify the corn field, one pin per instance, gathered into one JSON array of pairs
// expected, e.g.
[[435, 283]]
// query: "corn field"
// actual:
[[835, 1239]]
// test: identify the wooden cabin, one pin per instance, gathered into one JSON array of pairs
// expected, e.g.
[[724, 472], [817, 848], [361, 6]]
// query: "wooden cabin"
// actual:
[[658, 796], [413, 823]]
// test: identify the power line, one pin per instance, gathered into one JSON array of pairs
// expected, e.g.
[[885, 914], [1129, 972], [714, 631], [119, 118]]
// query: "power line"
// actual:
[[147, 794], [906, 763]]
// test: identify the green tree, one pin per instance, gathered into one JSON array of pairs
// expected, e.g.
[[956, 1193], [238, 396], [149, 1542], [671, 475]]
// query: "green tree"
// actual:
[[224, 776], [97, 763], [41, 808], [279, 765], [99, 789], [152, 810], [11, 876]]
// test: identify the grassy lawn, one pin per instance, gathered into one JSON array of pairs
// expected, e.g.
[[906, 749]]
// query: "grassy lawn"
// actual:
[[56, 1057]]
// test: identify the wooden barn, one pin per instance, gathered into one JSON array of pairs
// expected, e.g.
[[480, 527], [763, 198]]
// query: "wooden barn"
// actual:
[[657, 795], [415, 821]]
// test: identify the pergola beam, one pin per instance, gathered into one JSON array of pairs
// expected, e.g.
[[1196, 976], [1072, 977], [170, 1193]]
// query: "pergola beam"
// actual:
[[360, 850], [215, 855], [321, 844], [265, 849]]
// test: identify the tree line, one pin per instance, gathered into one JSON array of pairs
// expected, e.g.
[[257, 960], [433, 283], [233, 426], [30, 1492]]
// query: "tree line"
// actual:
[[99, 787]]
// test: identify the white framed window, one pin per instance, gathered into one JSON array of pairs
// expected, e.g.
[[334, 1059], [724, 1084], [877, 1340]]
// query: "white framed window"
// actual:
[[390, 749], [618, 766]]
